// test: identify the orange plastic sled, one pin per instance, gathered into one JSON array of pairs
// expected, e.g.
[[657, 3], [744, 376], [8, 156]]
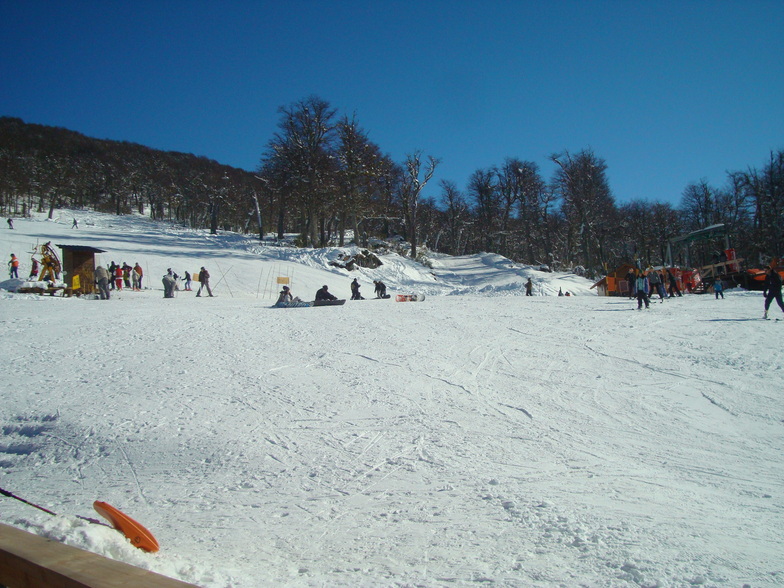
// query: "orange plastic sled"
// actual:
[[138, 535]]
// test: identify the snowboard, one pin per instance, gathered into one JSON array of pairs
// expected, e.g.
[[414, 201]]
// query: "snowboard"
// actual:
[[328, 302], [409, 297], [293, 304]]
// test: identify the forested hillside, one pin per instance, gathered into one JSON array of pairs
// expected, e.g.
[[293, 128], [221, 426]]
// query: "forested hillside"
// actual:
[[322, 177]]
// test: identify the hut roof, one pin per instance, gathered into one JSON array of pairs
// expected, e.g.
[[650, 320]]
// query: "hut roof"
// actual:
[[86, 248]]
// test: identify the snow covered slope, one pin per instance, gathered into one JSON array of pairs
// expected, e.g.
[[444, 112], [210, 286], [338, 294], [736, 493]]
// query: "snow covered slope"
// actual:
[[480, 438]]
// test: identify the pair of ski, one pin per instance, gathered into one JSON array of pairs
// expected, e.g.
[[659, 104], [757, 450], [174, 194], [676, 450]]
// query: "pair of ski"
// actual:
[[135, 532]]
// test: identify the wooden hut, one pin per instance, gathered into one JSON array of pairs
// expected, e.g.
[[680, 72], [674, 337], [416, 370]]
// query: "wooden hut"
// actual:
[[79, 260], [614, 283]]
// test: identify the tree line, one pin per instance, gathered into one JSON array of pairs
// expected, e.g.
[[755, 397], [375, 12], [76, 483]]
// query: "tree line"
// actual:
[[320, 176]]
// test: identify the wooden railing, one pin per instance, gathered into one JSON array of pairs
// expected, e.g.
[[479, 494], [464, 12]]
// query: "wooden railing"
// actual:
[[31, 561]]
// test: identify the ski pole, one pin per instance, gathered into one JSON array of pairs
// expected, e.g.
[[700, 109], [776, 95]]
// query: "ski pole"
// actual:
[[15, 497], [54, 514]]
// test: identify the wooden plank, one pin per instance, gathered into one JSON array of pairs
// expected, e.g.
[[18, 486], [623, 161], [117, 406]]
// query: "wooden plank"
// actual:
[[31, 561]]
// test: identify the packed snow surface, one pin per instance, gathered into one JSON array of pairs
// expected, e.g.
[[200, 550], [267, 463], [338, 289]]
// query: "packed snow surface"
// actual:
[[478, 437]]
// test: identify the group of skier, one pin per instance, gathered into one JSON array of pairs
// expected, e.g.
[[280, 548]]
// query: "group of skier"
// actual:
[[285, 296], [171, 282]]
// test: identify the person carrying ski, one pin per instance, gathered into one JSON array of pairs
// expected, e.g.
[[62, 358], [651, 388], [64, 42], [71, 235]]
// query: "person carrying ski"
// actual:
[[381, 289], [204, 282], [642, 287], [13, 267], [323, 294], [772, 290], [355, 295], [102, 279]]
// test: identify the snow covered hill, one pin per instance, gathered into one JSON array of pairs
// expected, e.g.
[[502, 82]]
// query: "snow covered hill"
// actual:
[[479, 437]]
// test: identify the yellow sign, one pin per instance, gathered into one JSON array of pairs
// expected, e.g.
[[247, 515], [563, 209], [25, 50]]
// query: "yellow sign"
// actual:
[[283, 280]]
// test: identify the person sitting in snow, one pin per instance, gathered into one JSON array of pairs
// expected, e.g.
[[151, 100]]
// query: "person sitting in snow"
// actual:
[[285, 296], [323, 294]]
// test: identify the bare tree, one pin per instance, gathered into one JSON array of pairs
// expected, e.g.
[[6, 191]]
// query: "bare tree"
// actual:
[[411, 190]]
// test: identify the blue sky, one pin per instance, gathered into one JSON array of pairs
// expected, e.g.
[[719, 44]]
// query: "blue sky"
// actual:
[[666, 93]]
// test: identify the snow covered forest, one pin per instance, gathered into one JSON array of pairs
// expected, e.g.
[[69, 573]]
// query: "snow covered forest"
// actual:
[[323, 177], [479, 437]]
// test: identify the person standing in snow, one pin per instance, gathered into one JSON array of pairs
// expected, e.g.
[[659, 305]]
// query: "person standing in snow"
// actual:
[[187, 282], [10, 223], [630, 277], [718, 288], [673, 284], [13, 267], [642, 287], [772, 290], [75, 224], [355, 295], [33, 270], [168, 285], [654, 279], [102, 279], [204, 282], [529, 288], [118, 277], [139, 271]]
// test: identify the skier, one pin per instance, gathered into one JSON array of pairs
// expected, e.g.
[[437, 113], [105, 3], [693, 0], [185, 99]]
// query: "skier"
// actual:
[[718, 288], [529, 288], [139, 271], [355, 295], [126, 269], [13, 267], [654, 279], [135, 280], [204, 282], [772, 290], [10, 223], [75, 224], [102, 279], [323, 294], [642, 286], [381, 289], [673, 284]]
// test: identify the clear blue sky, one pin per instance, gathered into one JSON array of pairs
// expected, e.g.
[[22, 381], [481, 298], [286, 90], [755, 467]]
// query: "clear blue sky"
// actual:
[[666, 92]]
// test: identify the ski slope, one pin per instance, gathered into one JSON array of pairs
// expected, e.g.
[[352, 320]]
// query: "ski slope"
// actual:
[[479, 437]]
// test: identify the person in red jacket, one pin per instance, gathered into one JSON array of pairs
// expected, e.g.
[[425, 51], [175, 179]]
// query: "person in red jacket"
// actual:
[[118, 277], [13, 267]]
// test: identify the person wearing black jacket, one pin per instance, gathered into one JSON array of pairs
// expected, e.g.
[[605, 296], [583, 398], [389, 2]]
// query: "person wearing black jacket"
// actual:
[[323, 294], [772, 289]]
